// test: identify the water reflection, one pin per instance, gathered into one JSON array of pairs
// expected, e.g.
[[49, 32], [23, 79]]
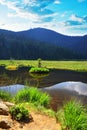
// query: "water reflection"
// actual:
[[74, 87], [13, 89], [78, 87], [65, 91], [37, 79], [60, 92]]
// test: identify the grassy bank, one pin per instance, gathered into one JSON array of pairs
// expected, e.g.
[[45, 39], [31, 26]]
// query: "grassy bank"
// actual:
[[31, 98], [72, 116], [67, 65]]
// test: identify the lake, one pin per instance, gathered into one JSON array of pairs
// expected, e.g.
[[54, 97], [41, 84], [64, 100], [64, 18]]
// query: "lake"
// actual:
[[62, 85]]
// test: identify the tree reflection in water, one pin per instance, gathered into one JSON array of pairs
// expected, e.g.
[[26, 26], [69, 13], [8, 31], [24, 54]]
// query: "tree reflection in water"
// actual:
[[37, 78]]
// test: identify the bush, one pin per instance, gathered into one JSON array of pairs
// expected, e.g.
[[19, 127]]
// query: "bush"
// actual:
[[32, 95], [73, 116], [39, 70], [6, 96], [18, 113], [11, 67]]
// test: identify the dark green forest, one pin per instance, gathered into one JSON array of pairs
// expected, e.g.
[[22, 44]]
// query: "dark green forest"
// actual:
[[17, 46]]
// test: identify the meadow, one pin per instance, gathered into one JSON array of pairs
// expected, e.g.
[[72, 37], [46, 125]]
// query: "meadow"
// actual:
[[66, 65]]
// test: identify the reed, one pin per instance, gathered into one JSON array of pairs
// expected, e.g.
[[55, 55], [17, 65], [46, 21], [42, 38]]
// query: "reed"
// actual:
[[6, 96], [32, 95], [73, 116]]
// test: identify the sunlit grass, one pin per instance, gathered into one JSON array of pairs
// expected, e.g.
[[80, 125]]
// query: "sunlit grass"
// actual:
[[39, 70], [6, 96], [73, 116], [32, 95], [68, 65], [11, 67]]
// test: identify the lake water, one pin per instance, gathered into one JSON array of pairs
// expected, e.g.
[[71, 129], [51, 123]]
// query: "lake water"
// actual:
[[62, 85], [77, 87], [65, 91], [60, 92]]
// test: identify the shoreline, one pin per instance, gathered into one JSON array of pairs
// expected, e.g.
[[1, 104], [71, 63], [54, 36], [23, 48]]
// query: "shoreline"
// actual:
[[55, 76]]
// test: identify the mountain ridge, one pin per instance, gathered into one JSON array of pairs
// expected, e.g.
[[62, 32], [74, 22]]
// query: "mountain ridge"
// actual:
[[42, 41]]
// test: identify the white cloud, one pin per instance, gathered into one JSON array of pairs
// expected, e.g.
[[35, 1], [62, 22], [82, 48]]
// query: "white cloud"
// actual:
[[49, 15], [76, 18], [2, 1], [76, 30], [19, 11], [57, 2], [30, 9], [64, 14], [15, 26], [26, 1]]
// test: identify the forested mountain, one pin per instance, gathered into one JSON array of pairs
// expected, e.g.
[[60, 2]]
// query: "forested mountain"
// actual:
[[41, 43]]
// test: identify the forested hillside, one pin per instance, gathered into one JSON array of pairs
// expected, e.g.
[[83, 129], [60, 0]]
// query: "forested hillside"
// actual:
[[41, 43]]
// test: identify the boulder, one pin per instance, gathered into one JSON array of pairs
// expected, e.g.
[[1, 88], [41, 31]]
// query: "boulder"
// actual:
[[9, 104], [4, 110], [5, 122]]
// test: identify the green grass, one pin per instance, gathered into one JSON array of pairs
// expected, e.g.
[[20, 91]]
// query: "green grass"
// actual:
[[31, 98], [32, 95], [19, 112], [69, 65], [39, 70], [39, 109], [11, 67], [5, 95], [73, 116]]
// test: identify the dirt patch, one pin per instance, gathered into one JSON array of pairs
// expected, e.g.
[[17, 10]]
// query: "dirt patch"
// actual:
[[40, 122]]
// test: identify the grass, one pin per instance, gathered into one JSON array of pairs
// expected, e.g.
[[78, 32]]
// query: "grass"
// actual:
[[39, 109], [11, 67], [19, 112], [73, 116], [68, 65], [31, 98], [39, 70], [5, 95], [32, 95]]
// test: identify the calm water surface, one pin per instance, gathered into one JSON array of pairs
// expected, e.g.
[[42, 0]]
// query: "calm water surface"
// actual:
[[60, 84], [60, 93]]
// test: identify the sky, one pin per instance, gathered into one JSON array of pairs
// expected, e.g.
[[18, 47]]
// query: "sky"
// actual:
[[67, 17]]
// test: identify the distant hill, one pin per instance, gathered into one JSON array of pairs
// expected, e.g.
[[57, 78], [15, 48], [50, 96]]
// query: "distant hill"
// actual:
[[41, 43]]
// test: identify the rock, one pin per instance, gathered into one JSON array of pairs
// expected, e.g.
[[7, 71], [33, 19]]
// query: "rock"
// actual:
[[9, 104], [5, 122], [1, 100], [4, 110]]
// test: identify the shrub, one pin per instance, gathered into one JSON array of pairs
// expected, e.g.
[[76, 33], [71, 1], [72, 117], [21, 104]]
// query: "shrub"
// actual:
[[73, 116], [39, 62], [6, 96], [18, 112], [11, 67], [32, 95], [39, 70]]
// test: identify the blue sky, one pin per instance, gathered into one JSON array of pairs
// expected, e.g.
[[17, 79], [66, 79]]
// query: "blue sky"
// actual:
[[68, 17]]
